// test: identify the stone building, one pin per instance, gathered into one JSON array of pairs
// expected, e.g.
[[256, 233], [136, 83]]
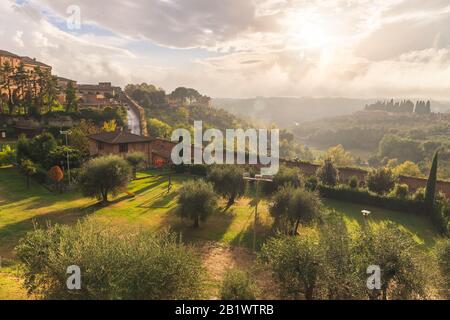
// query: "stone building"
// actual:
[[122, 142]]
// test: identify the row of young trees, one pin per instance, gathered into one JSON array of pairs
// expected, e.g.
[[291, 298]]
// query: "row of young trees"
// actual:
[[407, 106]]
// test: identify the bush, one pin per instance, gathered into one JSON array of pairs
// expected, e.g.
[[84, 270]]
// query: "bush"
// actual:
[[104, 176], [196, 201], [443, 255], [311, 183], [199, 170], [328, 174], [238, 285], [380, 181], [285, 176], [400, 191], [367, 198], [419, 195], [114, 263], [353, 182]]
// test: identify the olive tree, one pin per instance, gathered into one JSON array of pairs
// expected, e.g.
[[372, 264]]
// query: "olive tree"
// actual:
[[136, 160], [115, 263], [196, 201], [292, 206], [228, 181], [103, 176]]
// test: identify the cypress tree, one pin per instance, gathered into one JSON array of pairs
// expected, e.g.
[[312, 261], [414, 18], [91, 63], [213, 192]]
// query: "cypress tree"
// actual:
[[430, 194]]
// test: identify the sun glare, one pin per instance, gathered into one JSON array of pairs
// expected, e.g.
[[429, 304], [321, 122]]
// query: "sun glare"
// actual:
[[310, 31]]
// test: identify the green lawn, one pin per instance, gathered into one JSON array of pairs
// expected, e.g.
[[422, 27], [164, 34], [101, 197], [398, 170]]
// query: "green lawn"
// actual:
[[151, 208]]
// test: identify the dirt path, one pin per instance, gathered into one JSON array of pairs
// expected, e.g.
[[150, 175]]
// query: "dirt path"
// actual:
[[217, 258]]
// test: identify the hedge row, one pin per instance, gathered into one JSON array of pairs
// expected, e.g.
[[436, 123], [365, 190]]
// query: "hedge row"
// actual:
[[367, 198]]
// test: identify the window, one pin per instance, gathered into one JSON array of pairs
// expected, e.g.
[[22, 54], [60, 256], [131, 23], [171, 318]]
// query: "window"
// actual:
[[123, 148], [100, 146]]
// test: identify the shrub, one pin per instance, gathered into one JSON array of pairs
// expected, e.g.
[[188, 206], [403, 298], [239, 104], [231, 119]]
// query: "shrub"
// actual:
[[238, 285], [104, 176], [353, 182], [196, 201], [228, 181], [400, 191], [7, 155], [328, 174], [443, 255], [199, 170], [29, 169], [380, 181], [419, 195], [367, 198], [311, 183], [285, 176], [114, 263]]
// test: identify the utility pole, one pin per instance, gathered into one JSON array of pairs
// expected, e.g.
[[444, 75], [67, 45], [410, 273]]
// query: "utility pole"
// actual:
[[258, 178], [66, 133]]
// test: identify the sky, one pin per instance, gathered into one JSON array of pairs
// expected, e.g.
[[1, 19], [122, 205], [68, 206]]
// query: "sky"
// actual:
[[242, 48]]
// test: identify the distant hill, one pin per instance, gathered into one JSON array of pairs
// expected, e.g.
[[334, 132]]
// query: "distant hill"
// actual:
[[287, 111]]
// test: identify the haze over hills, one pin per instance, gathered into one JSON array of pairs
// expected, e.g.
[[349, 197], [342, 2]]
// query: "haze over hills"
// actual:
[[288, 111]]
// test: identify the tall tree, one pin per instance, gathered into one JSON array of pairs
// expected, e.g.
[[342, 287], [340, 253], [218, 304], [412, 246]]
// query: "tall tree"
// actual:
[[430, 193]]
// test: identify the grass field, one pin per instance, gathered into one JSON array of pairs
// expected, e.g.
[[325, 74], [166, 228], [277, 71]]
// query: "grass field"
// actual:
[[151, 208]]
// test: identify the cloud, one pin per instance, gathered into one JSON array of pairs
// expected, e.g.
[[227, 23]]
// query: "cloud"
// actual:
[[241, 48]]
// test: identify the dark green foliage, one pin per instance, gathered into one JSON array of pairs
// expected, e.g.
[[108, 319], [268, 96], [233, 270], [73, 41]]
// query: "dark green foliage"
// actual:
[[407, 271], [238, 285], [285, 176], [400, 191], [380, 181], [103, 176], [296, 263], [28, 168], [328, 174], [292, 206], [58, 156], [199, 170], [37, 149], [115, 263], [368, 198], [430, 193], [353, 182], [311, 183], [196, 201], [334, 265], [443, 255], [228, 181]]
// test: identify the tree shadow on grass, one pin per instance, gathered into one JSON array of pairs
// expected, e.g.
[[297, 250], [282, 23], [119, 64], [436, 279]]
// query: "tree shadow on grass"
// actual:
[[11, 233], [213, 229]]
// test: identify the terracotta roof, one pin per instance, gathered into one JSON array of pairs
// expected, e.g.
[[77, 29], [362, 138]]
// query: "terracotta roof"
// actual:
[[34, 62], [119, 137], [8, 54]]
